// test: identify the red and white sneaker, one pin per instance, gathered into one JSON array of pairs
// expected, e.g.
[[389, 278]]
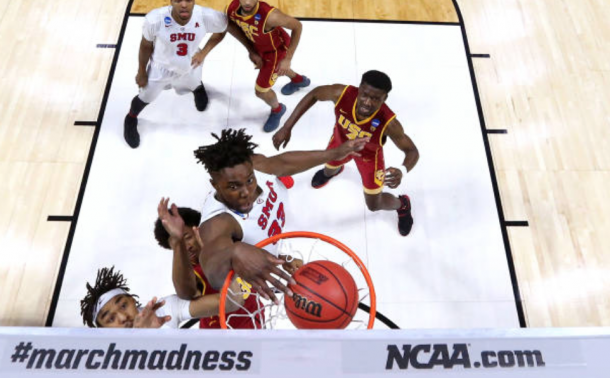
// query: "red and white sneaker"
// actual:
[[405, 219]]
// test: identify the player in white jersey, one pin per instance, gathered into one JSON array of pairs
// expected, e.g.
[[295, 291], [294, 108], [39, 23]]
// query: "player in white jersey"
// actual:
[[246, 209], [170, 57], [109, 304], [268, 214]]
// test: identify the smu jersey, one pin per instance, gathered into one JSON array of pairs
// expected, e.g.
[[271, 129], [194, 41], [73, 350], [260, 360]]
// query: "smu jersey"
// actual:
[[348, 127], [174, 44], [253, 27], [267, 217]]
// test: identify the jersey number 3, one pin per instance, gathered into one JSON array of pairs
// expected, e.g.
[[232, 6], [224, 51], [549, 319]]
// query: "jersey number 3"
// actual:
[[183, 49]]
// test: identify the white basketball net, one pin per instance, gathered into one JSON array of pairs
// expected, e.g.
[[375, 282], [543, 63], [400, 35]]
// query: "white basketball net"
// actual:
[[307, 249]]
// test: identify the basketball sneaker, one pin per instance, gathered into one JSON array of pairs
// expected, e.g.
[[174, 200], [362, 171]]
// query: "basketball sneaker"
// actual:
[[292, 87], [273, 122], [320, 179], [130, 131], [288, 181], [201, 98], [405, 219]]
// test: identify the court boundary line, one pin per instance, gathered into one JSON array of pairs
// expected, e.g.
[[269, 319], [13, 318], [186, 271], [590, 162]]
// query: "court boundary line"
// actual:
[[492, 173], [484, 56], [358, 20], [83, 185], [461, 24]]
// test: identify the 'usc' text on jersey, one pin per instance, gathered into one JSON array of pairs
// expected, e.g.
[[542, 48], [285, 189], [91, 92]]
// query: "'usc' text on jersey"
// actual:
[[348, 127]]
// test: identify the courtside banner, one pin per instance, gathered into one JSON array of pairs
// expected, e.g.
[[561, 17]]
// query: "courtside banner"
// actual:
[[556, 353]]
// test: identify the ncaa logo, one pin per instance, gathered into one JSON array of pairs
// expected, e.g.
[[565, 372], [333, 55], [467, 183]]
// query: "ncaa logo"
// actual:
[[257, 17], [375, 122], [167, 20]]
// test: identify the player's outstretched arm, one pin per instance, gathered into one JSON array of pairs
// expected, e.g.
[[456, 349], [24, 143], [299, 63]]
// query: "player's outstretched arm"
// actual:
[[147, 317], [396, 132], [321, 93], [217, 235], [146, 50], [214, 40], [279, 19], [209, 305], [185, 282], [220, 254], [217, 23], [293, 162]]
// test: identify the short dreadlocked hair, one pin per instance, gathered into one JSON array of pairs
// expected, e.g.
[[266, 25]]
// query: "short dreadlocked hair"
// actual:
[[233, 148], [191, 218], [107, 279], [377, 79]]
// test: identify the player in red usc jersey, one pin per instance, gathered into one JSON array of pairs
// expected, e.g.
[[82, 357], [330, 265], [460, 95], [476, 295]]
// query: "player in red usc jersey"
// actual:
[[187, 275], [109, 303], [260, 28], [361, 112]]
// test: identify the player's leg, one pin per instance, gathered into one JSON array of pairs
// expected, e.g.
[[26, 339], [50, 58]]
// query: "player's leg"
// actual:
[[191, 83], [277, 109], [156, 83], [296, 82], [268, 95], [381, 201], [332, 168], [372, 172], [265, 80], [130, 125]]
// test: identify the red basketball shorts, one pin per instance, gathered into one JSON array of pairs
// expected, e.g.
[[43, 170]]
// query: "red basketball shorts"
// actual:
[[370, 165], [268, 72]]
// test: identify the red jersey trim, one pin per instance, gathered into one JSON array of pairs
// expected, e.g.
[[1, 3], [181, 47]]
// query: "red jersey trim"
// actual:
[[272, 45], [202, 282], [384, 128], [265, 24], [340, 97], [246, 18]]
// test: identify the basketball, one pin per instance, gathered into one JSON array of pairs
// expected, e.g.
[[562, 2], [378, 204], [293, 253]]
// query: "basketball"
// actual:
[[325, 297]]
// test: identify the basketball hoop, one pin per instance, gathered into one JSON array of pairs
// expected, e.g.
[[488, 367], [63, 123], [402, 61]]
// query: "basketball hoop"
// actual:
[[308, 246]]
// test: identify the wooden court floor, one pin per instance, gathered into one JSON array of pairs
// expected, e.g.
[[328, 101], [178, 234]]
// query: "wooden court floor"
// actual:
[[545, 88]]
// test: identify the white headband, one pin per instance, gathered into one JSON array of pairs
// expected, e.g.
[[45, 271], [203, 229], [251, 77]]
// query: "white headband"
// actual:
[[105, 298]]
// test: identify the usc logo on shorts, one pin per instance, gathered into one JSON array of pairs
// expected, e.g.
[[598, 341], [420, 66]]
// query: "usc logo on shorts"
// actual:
[[273, 78], [246, 288], [379, 176]]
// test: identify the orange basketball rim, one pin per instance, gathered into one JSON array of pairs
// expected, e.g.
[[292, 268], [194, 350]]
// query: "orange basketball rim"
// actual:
[[309, 235]]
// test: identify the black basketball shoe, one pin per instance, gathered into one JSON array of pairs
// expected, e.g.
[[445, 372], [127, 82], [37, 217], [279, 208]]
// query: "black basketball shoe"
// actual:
[[130, 131], [201, 98], [405, 220], [320, 179]]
